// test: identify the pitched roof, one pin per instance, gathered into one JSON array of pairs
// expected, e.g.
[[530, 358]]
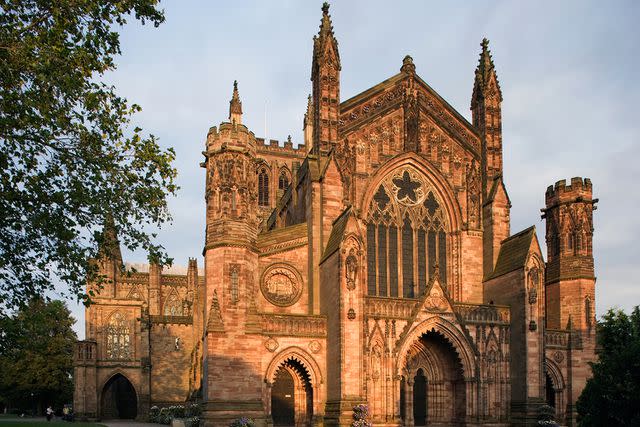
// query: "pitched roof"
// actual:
[[337, 232], [494, 189], [513, 252]]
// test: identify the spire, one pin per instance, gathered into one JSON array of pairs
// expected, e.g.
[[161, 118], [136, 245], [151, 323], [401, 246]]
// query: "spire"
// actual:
[[235, 106], [485, 75], [325, 45], [109, 246]]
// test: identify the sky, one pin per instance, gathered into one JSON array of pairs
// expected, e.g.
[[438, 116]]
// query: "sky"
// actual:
[[568, 73]]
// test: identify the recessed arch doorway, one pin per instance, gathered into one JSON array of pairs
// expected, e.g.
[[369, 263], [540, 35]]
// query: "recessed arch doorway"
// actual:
[[292, 395], [433, 386], [119, 399]]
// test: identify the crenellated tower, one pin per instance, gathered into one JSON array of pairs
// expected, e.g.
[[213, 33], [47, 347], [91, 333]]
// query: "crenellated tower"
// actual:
[[231, 190], [487, 115], [570, 275], [325, 78], [570, 280], [231, 260]]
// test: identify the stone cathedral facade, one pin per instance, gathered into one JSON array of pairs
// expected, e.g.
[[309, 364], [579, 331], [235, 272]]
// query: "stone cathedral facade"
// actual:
[[372, 264]]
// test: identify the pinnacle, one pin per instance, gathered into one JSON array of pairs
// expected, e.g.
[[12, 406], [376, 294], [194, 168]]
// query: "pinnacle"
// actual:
[[407, 65], [235, 105], [325, 8]]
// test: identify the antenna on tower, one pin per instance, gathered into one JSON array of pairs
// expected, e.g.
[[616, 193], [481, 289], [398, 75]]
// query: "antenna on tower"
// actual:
[[266, 138]]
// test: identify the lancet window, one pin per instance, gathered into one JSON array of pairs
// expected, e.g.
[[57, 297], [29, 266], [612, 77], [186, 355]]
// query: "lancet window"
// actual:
[[406, 236], [283, 181], [118, 337], [263, 187]]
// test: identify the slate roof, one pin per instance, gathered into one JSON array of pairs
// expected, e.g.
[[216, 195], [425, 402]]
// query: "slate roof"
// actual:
[[513, 252], [335, 238]]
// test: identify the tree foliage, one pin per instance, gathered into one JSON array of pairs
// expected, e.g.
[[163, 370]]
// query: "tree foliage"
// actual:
[[36, 355], [612, 395], [69, 155]]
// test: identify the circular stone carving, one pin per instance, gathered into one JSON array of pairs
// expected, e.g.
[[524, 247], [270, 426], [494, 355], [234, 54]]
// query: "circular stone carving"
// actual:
[[281, 285], [315, 346]]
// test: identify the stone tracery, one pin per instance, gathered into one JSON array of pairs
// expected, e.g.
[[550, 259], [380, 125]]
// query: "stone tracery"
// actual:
[[406, 235]]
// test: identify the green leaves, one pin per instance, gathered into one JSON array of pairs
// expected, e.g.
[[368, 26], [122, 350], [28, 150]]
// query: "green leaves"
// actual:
[[612, 395], [69, 156], [36, 354]]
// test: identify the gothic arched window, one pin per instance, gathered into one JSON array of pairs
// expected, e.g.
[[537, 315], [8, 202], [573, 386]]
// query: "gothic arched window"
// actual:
[[263, 187], [118, 337], [172, 306], [406, 236], [283, 180]]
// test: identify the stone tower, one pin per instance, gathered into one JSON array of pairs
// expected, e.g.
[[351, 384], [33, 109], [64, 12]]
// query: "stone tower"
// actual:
[[570, 279], [230, 260]]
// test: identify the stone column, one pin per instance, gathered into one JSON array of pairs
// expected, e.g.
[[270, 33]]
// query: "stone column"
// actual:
[[408, 401]]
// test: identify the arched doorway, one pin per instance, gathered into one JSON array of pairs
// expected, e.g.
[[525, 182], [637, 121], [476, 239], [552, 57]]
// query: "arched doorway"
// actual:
[[436, 390], [420, 399], [119, 399], [550, 391], [291, 395]]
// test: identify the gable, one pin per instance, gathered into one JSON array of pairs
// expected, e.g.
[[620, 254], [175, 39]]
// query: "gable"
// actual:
[[388, 96]]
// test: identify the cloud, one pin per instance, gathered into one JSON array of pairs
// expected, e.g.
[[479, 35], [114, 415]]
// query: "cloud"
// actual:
[[567, 72]]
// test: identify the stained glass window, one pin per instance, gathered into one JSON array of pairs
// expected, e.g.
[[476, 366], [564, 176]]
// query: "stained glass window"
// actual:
[[406, 236], [118, 337]]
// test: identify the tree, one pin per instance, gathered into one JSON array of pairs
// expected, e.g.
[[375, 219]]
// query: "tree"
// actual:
[[36, 356], [612, 396], [69, 156]]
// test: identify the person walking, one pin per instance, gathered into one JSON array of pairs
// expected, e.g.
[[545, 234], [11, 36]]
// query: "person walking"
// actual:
[[49, 413]]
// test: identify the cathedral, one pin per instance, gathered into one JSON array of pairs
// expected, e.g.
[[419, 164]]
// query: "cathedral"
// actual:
[[372, 264]]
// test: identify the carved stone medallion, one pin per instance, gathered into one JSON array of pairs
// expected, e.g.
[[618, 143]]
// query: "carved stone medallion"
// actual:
[[281, 285], [271, 345], [315, 346], [558, 356]]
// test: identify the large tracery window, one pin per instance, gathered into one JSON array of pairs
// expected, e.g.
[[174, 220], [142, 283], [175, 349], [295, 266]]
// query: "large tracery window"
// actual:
[[406, 236], [118, 337], [263, 187]]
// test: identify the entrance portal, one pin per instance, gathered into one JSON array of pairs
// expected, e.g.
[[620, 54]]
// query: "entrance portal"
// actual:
[[291, 395], [437, 394], [119, 399]]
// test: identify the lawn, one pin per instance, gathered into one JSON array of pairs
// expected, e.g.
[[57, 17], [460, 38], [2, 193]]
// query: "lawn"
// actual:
[[13, 420]]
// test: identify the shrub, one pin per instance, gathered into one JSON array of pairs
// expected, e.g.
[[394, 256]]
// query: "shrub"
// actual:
[[154, 414], [243, 422], [361, 416]]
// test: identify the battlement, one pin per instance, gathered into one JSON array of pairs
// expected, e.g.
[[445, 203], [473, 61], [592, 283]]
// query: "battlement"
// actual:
[[273, 145], [561, 192], [230, 135]]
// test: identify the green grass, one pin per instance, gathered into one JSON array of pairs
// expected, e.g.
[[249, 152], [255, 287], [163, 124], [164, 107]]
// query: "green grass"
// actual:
[[14, 420]]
